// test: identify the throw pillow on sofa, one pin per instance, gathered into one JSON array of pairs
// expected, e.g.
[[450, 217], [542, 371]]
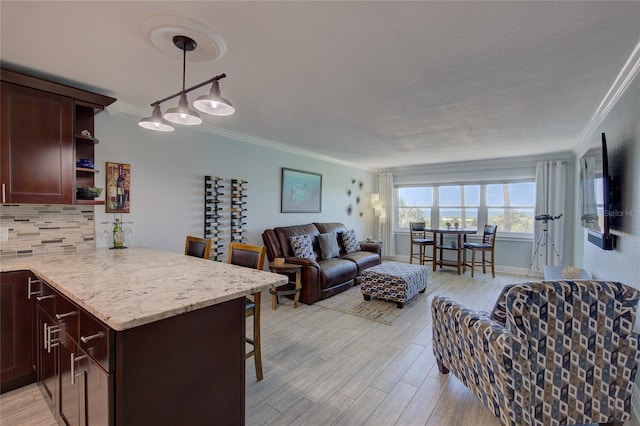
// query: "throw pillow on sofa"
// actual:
[[350, 241], [302, 246], [328, 245]]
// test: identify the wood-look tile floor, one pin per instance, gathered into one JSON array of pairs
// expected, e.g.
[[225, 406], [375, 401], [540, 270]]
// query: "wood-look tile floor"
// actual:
[[324, 367]]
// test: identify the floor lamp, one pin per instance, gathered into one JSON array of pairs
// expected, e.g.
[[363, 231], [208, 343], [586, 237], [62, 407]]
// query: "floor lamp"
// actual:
[[378, 211]]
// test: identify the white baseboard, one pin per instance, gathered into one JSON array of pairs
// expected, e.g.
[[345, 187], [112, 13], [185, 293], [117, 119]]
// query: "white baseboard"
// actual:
[[503, 269]]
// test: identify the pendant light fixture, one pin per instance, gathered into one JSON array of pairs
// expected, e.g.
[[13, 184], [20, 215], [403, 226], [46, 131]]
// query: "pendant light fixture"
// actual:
[[156, 121], [212, 103]]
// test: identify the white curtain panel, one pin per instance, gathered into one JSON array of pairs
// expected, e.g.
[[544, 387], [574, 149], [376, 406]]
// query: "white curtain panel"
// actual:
[[551, 189], [387, 218]]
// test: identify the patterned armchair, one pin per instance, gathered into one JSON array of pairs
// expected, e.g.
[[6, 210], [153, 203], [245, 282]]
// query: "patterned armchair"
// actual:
[[550, 353]]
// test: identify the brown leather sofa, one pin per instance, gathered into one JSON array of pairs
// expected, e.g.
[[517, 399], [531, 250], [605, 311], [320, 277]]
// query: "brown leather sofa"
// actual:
[[322, 278]]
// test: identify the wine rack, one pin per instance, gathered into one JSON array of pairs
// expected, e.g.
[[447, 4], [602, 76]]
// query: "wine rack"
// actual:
[[238, 209], [213, 191]]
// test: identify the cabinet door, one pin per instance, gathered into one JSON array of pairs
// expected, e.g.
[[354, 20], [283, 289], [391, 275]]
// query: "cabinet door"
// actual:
[[48, 358], [85, 388], [17, 357], [37, 146], [70, 381], [95, 399]]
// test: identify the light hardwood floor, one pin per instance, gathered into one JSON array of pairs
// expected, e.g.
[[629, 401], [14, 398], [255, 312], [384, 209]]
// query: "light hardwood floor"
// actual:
[[324, 367]]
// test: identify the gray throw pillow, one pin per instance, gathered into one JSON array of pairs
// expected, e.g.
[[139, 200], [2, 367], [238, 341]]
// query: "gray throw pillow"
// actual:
[[329, 245]]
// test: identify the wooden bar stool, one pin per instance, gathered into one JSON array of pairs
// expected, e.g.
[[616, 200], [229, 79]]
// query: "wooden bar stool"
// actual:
[[251, 256], [487, 245], [419, 239]]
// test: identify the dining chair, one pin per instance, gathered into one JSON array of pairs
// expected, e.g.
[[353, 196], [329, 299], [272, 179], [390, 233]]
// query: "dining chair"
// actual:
[[251, 256], [420, 239], [197, 247], [487, 245]]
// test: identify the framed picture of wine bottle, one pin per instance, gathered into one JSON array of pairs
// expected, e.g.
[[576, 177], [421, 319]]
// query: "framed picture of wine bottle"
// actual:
[[118, 196]]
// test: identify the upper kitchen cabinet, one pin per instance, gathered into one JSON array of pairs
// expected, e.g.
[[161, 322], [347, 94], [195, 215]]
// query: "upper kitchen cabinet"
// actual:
[[47, 128]]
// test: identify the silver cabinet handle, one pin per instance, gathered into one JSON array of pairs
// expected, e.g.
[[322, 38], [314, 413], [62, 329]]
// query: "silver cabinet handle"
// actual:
[[65, 315], [98, 335], [4, 195], [45, 336], [48, 296], [73, 367], [52, 343], [33, 293]]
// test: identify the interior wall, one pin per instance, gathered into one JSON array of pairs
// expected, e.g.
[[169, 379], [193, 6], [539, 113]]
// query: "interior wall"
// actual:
[[622, 129], [167, 172]]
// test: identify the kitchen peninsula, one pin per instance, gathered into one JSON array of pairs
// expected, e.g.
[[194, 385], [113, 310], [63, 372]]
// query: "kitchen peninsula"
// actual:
[[140, 336]]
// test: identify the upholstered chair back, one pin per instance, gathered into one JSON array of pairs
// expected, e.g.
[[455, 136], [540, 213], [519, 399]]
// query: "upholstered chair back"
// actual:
[[580, 347]]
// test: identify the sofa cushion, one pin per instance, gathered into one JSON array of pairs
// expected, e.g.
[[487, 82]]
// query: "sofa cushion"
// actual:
[[350, 241], [335, 271], [302, 246], [328, 245], [363, 259]]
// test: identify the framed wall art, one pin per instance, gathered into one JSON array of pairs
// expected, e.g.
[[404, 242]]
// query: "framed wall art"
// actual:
[[301, 192], [118, 197]]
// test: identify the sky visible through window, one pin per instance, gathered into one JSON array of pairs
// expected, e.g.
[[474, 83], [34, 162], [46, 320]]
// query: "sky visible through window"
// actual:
[[510, 205]]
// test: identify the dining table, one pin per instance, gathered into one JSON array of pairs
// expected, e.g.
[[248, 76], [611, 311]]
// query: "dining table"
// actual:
[[439, 247]]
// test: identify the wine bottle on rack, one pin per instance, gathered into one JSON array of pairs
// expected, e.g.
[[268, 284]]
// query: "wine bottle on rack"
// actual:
[[209, 208]]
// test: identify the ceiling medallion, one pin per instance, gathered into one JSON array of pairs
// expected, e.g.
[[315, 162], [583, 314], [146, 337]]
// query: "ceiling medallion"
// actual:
[[160, 30]]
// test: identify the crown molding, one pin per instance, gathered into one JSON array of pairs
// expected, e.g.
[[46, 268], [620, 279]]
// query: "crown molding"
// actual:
[[620, 85], [138, 111]]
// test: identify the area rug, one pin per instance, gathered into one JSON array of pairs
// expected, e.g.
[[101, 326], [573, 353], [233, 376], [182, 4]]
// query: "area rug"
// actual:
[[351, 302]]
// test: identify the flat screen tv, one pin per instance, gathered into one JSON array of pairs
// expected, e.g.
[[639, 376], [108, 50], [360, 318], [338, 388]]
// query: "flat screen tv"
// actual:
[[595, 183]]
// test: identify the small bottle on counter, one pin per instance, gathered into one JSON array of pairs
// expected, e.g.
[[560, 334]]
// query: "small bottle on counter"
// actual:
[[118, 235]]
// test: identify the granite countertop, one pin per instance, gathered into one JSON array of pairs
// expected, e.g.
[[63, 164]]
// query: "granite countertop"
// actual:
[[136, 286]]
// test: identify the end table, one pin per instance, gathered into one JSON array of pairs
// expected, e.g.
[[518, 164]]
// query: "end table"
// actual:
[[286, 268]]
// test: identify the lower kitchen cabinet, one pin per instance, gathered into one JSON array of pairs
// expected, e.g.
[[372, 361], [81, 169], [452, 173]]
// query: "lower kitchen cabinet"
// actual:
[[17, 339], [71, 347], [184, 369]]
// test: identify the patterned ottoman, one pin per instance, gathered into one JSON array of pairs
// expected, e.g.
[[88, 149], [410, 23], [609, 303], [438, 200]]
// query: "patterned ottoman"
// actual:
[[394, 281]]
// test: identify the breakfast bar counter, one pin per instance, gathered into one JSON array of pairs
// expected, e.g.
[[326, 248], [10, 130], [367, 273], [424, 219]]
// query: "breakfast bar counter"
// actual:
[[138, 336], [136, 286]]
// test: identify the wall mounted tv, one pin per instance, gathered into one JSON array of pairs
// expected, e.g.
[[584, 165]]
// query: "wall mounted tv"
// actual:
[[595, 183]]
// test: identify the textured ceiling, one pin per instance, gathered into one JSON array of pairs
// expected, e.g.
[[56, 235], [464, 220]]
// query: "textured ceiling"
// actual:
[[375, 84]]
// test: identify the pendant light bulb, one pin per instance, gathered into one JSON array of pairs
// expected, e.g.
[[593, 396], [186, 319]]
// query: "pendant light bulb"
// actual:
[[156, 122], [182, 114], [213, 103]]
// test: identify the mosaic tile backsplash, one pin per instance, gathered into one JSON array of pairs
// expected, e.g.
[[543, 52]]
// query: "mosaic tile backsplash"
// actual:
[[46, 228]]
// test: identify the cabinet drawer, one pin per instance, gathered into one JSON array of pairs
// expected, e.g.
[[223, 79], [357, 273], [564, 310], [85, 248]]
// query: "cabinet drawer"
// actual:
[[45, 297], [66, 315], [96, 339]]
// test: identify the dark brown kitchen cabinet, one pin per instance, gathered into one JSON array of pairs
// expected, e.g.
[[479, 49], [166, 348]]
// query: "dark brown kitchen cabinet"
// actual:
[[37, 146], [17, 337], [48, 347], [73, 346], [162, 372], [46, 128]]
